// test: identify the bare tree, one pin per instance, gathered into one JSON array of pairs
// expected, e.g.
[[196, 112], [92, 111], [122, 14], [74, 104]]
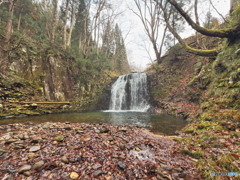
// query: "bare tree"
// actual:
[[73, 18], [150, 15]]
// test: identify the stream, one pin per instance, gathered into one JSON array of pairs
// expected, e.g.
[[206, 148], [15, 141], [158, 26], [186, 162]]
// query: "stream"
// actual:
[[156, 123]]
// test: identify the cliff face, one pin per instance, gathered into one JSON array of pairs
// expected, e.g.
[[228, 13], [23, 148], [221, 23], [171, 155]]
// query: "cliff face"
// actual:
[[40, 72]]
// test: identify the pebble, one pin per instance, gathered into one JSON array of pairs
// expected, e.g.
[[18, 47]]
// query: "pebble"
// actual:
[[74, 175], [123, 129], [38, 165], [36, 140], [24, 168], [3, 151], [104, 129], [97, 173], [121, 165], [31, 155], [67, 128], [34, 148], [65, 160], [9, 141]]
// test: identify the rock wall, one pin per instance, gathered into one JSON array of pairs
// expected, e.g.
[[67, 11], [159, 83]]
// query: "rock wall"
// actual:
[[46, 74]]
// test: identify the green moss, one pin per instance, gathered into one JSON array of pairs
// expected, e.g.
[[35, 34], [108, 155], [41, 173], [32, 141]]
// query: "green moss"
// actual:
[[203, 126], [189, 131], [206, 117], [197, 154]]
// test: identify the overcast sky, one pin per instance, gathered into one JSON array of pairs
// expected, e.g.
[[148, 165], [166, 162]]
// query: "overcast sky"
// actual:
[[135, 35]]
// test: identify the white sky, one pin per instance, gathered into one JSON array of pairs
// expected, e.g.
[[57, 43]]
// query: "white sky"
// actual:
[[133, 29]]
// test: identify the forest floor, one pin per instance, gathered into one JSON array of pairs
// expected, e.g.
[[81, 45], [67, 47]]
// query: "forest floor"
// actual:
[[90, 151]]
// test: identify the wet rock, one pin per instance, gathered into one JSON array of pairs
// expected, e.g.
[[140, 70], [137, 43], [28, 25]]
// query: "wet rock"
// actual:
[[7, 136], [38, 165], [86, 138], [18, 146], [121, 165], [9, 141], [74, 175], [55, 143], [166, 167], [65, 160], [36, 140], [3, 151], [123, 129], [33, 106], [34, 148], [23, 136], [67, 128], [179, 169], [97, 173], [122, 146], [27, 173], [104, 129], [73, 159], [97, 166], [31, 155], [24, 168], [79, 132]]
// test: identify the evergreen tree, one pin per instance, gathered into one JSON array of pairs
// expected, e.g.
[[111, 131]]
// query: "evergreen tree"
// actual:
[[120, 55]]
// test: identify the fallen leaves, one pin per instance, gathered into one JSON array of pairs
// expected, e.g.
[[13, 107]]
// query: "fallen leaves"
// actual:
[[89, 151]]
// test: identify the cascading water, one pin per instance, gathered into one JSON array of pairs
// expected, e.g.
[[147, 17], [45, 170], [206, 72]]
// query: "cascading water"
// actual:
[[130, 92]]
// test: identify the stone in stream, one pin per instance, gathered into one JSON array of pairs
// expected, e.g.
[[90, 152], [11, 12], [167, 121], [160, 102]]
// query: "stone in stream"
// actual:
[[24, 168]]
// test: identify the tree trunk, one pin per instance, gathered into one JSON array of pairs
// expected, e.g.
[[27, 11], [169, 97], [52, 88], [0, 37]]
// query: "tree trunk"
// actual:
[[19, 21], [65, 26], [54, 21], [8, 34], [72, 24]]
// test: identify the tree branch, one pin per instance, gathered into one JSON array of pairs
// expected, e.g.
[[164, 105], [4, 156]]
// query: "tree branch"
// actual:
[[199, 52], [222, 33]]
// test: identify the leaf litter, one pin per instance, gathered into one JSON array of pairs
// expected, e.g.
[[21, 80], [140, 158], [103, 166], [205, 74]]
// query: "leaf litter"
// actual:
[[89, 151]]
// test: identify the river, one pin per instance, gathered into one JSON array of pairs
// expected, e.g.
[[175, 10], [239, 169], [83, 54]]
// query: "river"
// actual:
[[156, 123]]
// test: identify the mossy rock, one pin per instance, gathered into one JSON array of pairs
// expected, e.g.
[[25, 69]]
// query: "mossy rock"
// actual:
[[59, 138]]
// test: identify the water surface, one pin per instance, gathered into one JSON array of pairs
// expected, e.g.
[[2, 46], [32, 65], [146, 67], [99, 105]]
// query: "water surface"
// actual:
[[156, 123]]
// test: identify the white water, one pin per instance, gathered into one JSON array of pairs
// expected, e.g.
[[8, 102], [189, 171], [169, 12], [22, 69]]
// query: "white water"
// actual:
[[130, 93]]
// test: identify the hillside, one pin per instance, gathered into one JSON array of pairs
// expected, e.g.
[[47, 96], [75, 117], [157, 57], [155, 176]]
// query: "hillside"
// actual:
[[206, 91]]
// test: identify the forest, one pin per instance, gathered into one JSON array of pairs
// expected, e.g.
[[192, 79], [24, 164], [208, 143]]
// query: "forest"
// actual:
[[86, 30], [60, 57]]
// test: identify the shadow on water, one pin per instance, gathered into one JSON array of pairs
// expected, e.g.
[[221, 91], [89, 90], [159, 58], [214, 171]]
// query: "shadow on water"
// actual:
[[156, 123]]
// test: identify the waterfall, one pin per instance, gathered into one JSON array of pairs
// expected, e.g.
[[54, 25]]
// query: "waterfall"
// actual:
[[130, 92]]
